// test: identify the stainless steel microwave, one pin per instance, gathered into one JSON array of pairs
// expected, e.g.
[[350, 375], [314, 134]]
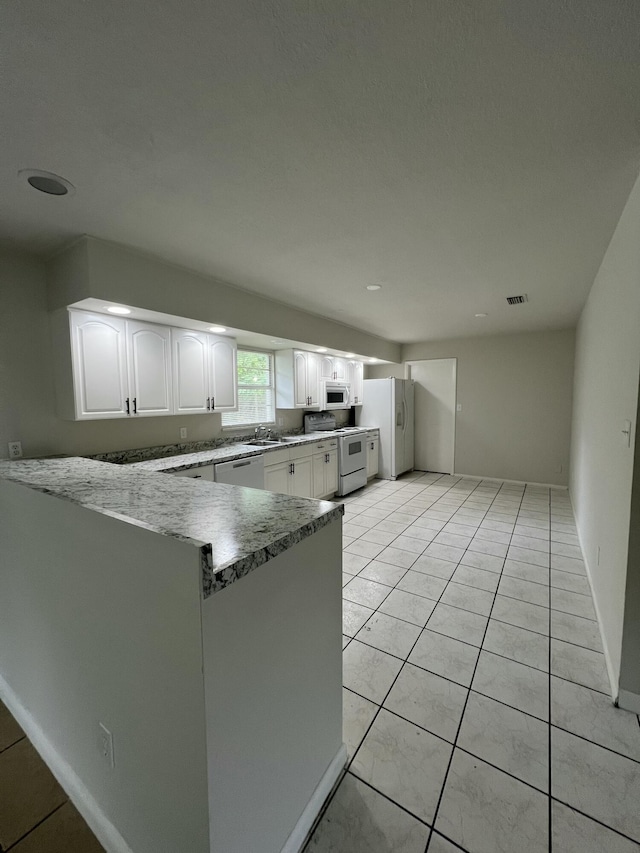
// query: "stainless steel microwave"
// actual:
[[335, 395]]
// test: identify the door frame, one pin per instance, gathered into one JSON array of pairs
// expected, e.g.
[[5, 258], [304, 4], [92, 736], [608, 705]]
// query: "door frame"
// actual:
[[407, 368]]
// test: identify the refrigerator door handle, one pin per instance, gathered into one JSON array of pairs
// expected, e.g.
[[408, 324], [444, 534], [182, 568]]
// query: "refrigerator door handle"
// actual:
[[404, 415]]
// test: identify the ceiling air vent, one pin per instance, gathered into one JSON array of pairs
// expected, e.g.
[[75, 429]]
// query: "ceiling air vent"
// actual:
[[517, 300]]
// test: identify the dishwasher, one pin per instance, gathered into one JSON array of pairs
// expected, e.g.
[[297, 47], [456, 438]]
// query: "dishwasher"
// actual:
[[241, 472]]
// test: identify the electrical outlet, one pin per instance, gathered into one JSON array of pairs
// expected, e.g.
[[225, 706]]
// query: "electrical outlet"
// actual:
[[106, 745], [183, 432], [280, 421], [15, 450], [458, 407]]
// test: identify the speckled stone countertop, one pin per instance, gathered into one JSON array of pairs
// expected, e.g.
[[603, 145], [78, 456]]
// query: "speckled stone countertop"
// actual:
[[225, 453], [236, 529]]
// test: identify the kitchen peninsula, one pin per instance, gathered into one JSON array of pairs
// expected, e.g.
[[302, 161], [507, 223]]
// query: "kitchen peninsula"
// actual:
[[173, 649]]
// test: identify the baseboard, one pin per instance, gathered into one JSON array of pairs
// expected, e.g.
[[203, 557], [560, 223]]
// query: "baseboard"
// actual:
[[613, 678], [504, 480], [298, 837], [629, 701], [98, 822]]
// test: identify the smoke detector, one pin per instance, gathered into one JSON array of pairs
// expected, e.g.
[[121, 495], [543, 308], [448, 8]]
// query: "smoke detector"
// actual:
[[517, 300]]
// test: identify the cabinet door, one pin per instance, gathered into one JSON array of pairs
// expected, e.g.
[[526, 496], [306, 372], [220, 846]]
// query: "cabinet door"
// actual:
[[99, 366], [300, 392], [372, 457], [331, 473], [302, 480], [223, 373], [149, 362], [356, 378], [326, 367], [313, 378], [340, 369], [190, 371], [277, 477], [318, 474]]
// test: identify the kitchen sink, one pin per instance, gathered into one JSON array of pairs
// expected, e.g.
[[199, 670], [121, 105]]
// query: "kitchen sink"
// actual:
[[263, 442]]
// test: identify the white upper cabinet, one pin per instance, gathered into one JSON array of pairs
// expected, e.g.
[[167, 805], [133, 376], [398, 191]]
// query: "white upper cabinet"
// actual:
[[109, 367], [149, 362], [297, 379], [205, 372], [355, 375], [98, 350], [333, 368], [191, 372], [223, 374]]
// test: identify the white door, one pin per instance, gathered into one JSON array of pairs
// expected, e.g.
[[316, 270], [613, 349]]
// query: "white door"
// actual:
[[340, 369], [331, 473], [223, 373], [355, 377], [277, 477], [99, 366], [149, 359], [191, 371], [318, 474], [435, 413]]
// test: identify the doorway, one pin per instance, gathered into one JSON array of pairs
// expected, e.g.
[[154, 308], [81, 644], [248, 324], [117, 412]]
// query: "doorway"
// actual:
[[435, 413]]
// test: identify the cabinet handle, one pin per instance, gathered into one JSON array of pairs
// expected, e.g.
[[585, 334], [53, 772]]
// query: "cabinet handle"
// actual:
[[197, 477], [208, 401], [213, 403], [292, 467], [326, 457], [127, 404], [135, 405]]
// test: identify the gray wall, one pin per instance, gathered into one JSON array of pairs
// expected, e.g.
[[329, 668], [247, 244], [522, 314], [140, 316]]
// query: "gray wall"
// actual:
[[606, 394], [515, 392], [27, 397]]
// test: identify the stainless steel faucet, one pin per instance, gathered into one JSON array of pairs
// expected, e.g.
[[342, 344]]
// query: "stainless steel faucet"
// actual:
[[259, 429]]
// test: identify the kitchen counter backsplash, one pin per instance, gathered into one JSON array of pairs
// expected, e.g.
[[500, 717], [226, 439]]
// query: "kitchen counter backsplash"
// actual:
[[160, 451]]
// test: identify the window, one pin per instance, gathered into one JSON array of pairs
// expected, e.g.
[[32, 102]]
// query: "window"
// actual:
[[256, 392]]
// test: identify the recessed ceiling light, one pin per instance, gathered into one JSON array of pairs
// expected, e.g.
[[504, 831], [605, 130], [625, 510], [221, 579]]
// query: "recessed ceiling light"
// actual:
[[321, 349], [47, 182], [118, 309], [372, 360], [349, 355], [481, 315], [218, 329], [374, 287]]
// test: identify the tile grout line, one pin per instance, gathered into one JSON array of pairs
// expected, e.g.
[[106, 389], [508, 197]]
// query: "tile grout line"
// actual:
[[550, 801], [35, 826], [464, 708]]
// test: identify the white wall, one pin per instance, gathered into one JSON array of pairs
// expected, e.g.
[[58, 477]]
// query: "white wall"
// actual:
[[605, 395], [105, 626], [516, 393]]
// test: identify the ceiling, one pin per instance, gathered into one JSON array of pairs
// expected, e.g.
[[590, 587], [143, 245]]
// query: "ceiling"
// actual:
[[454, 151]]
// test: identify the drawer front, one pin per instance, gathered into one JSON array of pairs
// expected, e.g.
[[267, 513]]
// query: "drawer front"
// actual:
[[302, 450], [201, 472], [372, 434], [275, 457]]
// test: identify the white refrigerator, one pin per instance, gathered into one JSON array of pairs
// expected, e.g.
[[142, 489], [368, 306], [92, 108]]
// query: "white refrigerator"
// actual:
[[388, 404]]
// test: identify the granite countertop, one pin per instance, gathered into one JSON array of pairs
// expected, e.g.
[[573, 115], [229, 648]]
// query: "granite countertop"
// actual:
[[237, 529], [224, 453]]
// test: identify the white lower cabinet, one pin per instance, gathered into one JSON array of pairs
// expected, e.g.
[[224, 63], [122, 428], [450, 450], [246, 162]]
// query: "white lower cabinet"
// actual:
[[308, 471], [325, 473], [373, 454]]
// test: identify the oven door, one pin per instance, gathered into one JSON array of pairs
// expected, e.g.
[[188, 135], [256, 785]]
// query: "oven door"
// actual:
[[352, 453]]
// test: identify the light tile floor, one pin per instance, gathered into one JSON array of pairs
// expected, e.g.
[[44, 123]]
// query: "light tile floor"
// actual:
[[476, 706]]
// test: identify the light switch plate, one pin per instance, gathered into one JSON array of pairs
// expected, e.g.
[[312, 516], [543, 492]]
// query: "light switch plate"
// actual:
[[458, 407]]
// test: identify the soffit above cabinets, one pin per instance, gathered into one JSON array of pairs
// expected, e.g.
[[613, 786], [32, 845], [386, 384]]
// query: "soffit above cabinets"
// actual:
[[243, 338]]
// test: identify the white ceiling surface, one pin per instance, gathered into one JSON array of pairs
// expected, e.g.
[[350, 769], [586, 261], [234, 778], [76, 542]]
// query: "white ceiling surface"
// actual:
[[455, 151]]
